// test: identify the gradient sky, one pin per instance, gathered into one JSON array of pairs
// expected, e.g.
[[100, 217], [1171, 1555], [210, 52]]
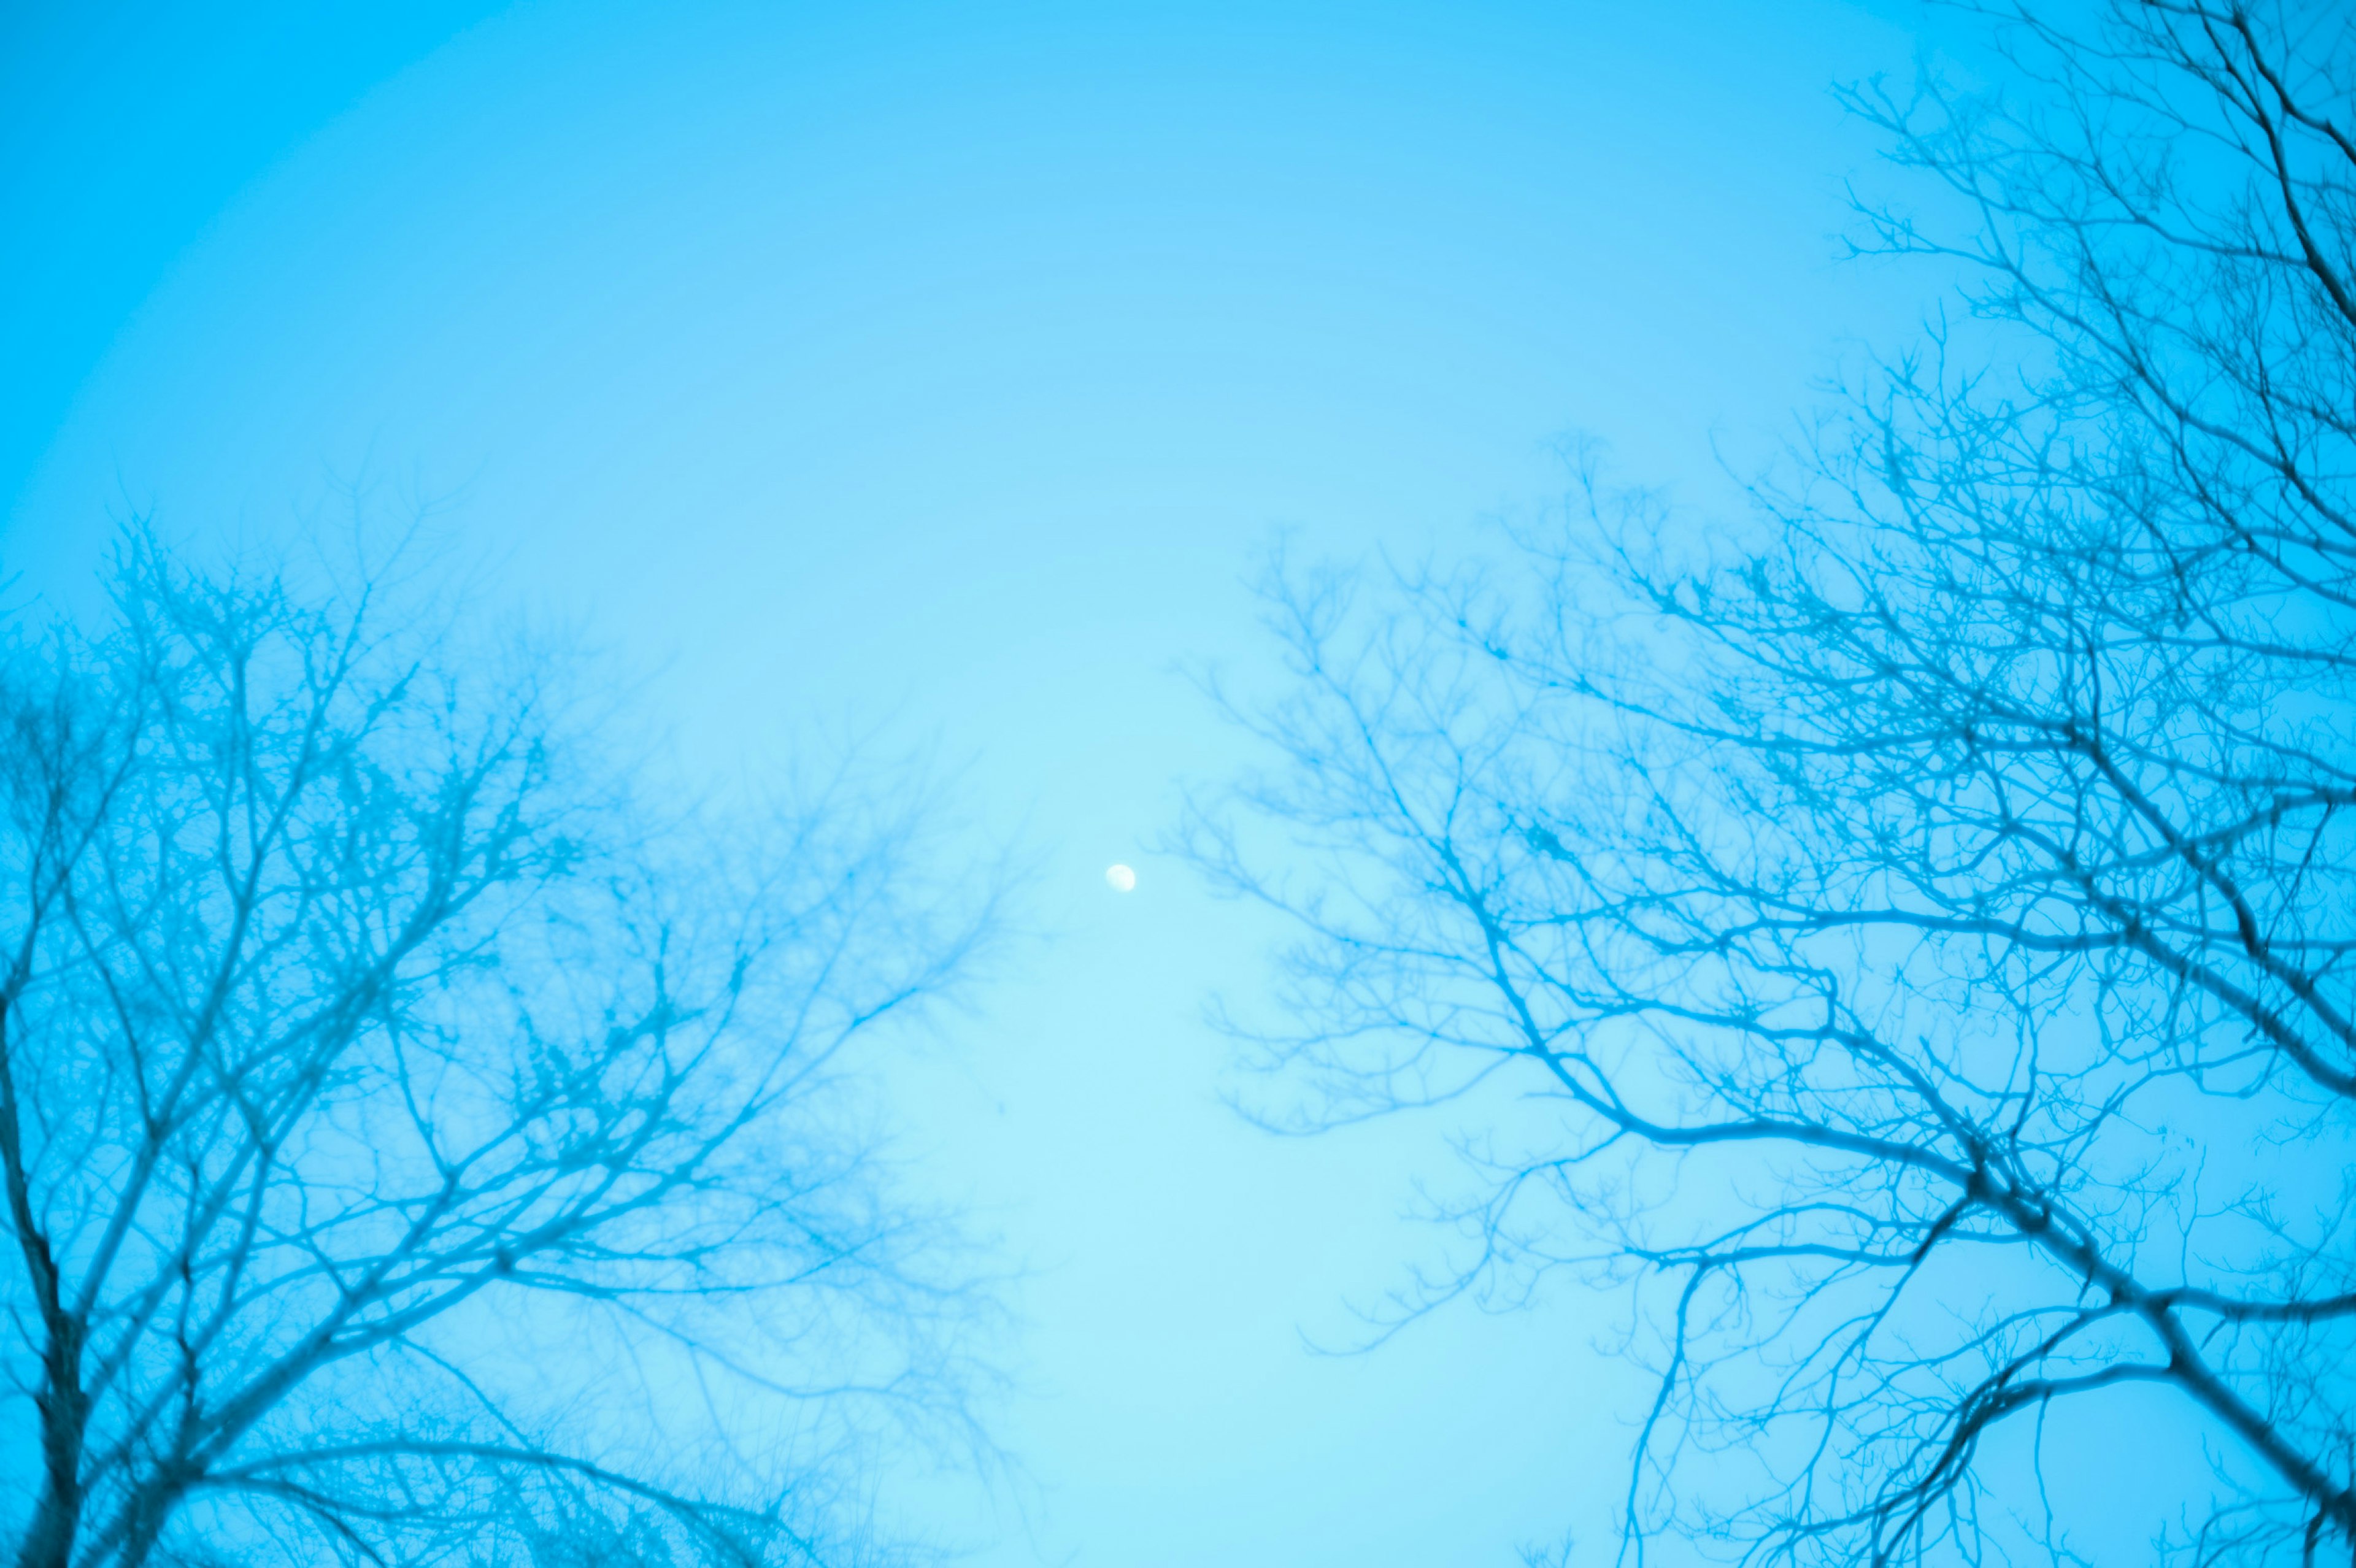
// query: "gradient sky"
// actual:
[[939, 370]]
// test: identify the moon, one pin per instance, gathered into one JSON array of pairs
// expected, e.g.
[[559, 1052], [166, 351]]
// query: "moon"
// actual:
[[1121, 879]]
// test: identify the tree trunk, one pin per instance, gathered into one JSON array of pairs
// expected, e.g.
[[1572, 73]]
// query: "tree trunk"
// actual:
[[65, 1412]]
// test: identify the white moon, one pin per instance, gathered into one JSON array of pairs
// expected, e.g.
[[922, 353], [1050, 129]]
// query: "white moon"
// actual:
[[1122, 880]]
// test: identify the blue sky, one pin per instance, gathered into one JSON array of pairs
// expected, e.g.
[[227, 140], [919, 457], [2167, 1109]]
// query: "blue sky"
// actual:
[[940, 370]]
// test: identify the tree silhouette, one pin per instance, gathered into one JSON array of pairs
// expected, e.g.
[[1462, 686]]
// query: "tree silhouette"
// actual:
[[414, 1144], [1922, 908]]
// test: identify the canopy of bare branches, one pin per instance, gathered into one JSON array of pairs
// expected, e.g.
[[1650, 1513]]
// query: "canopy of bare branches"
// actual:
[[414, 1150], [1925, 906]]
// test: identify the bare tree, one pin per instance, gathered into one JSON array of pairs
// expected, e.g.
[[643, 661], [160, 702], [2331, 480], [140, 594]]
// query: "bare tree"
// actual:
[[415, 1147], [1921, 911]]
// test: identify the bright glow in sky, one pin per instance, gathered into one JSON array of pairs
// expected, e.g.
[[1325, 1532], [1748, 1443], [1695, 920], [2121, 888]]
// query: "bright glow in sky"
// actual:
[[938, 369]]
